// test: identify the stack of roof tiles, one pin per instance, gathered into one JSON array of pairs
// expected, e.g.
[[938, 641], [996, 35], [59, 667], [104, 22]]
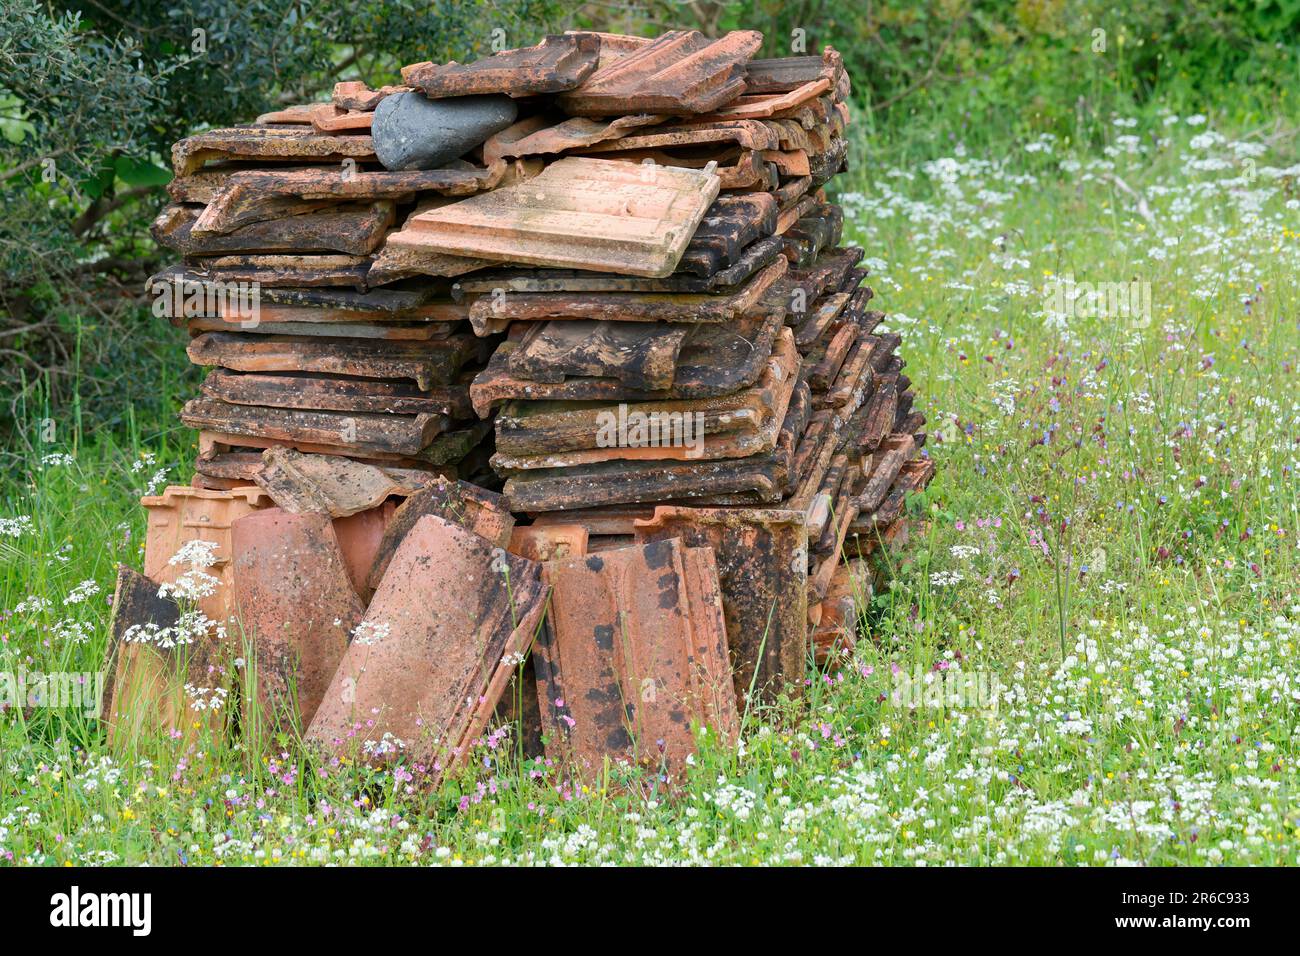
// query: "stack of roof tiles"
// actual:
[[279, 224], [633, 297], [749, 361]]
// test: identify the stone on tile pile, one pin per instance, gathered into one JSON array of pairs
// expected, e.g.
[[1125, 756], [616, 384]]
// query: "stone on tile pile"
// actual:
[[558, 402]]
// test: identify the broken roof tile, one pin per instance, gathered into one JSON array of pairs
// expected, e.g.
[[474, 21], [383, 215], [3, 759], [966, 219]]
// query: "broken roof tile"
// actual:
[[682, 71], [824, 313], [325, 484], [329, 118], [477, 509], [268, 324], [423, 302], [150, 673], [549, 542], [556, 64], [355, 95], [737, 168], [535, 136], [886, 462], [763, 105], [753, 258], [832, 358], [297, 115], [748, 134], [913, 476], [614, 46], [616, 520], [398, 259], [446, 448]]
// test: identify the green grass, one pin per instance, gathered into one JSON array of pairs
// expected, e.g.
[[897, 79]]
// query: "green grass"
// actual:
[[1110, 541]]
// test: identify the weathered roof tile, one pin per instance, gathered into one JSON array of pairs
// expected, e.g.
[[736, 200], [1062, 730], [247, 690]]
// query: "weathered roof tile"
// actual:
[[682, 71], [422, 676], [556, 64], [634, 651], [577, 213]]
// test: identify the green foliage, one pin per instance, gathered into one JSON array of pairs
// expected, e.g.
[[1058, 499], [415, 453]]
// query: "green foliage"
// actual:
[[71, 101]]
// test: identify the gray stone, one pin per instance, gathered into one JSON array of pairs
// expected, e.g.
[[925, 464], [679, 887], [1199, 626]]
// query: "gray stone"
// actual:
[[411, 131]]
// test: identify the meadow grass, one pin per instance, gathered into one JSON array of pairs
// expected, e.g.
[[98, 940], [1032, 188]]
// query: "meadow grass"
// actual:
[[1108, 548]]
